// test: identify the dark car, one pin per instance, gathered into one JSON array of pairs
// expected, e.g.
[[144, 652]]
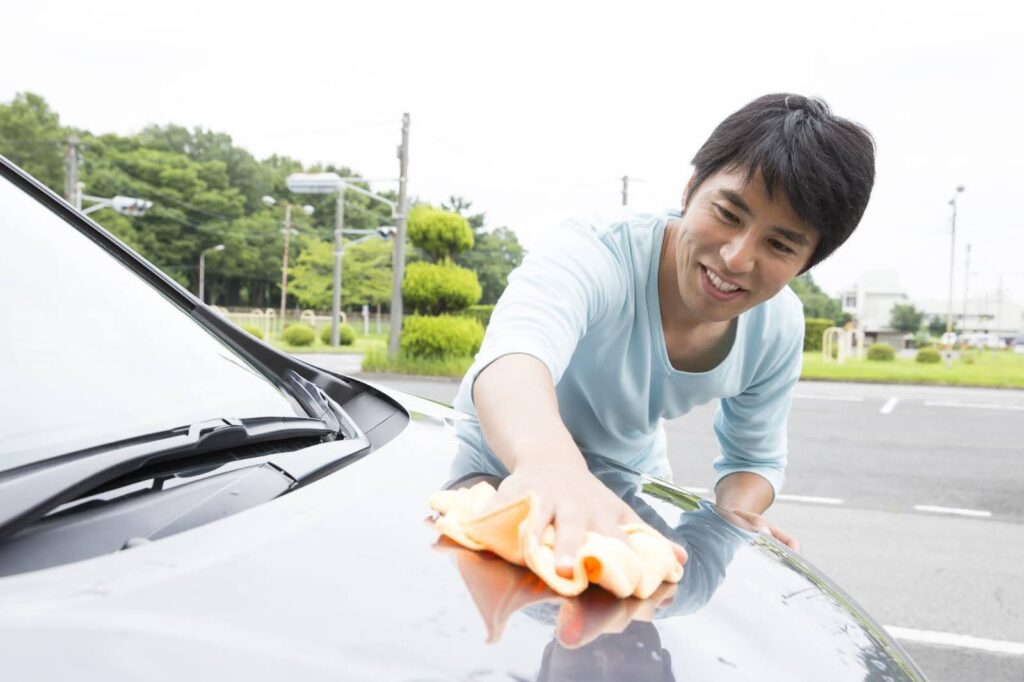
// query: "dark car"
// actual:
[[179, 501]]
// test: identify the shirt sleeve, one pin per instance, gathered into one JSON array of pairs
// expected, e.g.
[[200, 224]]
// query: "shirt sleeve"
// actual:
[[752, 427], [560, 289]]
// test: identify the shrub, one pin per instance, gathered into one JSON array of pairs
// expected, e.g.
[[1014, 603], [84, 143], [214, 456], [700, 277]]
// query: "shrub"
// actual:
[[442, 234], [254, 330], [346, 335], [929, 356], [881, 351], [814, 327], [299, 335], [481, 313], [433, 289], [440, 337], [968, 357]]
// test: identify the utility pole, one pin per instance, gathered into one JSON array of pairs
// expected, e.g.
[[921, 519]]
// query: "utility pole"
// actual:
[[967, 279], [625, 190], [284, 260], [71, 191], [952, 259], [398, 252], [339, 250]]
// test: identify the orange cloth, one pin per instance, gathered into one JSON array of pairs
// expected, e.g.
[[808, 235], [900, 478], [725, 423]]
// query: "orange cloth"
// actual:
[[636, 568]]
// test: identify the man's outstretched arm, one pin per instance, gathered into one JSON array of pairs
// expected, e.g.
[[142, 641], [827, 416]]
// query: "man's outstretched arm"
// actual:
[[518, 409]]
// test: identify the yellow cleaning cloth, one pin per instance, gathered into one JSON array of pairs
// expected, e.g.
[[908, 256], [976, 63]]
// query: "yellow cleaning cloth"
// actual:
[[635, 568]]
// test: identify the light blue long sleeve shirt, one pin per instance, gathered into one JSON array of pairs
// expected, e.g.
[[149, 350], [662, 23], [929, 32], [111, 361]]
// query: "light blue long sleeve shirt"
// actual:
[[585, 303]]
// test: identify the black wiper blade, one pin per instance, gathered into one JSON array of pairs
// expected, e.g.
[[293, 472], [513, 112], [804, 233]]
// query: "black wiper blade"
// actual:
[[28, 493]]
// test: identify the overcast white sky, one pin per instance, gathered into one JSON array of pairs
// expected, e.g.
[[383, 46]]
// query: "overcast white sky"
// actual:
[[533, 110]]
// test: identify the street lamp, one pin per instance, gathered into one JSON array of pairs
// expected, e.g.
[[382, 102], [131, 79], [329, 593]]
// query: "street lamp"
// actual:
[[288, 231], [952, 258], [331, 183], [132, 206], [202, 268]]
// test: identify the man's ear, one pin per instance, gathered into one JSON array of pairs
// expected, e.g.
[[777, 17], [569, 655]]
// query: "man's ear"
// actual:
[[687, 190]]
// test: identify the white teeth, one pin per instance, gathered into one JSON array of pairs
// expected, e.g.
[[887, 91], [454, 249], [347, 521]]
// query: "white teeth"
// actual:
[[719, 283]]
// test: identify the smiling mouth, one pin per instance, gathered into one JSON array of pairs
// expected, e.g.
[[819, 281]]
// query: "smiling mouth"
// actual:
[[717, 286]]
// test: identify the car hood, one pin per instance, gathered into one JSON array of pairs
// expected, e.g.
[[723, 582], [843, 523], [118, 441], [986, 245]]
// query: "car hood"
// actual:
[[347, 579]]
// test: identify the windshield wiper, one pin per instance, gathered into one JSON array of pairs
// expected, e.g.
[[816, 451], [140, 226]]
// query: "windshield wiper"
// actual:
[[316, 403], [29, 492]]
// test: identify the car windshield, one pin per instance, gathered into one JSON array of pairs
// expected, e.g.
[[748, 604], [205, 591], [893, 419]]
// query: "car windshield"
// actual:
[[91, 353]]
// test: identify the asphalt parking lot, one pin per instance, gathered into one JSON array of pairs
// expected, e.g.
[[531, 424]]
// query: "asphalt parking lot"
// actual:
[[908, 496]]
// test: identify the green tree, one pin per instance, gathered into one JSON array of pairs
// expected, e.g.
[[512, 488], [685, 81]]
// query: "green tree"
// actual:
[[936, 326], [440, 234], [817, 303], [494, 255], [460, 205], [366, 270], [32, 137], [905, 318]]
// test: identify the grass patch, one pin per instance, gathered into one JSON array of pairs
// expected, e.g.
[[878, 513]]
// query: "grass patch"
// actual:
[[378, 361], [991, 368]]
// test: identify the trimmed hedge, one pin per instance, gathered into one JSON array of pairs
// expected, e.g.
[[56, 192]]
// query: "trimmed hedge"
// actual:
[[481, 313], [881, 351], [254, 330], [929, 356], [440, 337], [299, 335], [434, 289], [346, 335], [814, 328]]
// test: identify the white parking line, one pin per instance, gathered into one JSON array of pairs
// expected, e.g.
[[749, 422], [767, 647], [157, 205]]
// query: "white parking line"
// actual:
[[980, 513], [809, 498], [975, 406], [840, 398], [998, 646], [889, 405]]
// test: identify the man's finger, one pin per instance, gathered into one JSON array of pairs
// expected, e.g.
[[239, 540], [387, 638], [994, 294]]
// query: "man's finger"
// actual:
[[569, 535], [680, 553], [785, 538]]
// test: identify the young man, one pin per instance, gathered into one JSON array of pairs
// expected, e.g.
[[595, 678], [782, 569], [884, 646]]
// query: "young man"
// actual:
[[607, 329]]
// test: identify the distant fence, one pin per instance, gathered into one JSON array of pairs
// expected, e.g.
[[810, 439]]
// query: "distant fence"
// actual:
[[268, 320]]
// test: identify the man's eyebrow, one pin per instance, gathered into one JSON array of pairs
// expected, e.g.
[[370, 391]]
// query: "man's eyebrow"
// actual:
[[736, 199], [792, 235]]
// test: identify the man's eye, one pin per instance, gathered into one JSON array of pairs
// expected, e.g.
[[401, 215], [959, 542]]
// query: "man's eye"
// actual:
[[780, 247], [726, 214]]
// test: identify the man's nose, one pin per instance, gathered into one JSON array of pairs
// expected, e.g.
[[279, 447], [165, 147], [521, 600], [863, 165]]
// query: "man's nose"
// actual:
[[738, 253]]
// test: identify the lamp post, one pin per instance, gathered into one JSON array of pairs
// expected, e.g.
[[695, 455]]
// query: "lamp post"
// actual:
[[288, 232], [331, 183], [132, 206], [202, 269], [952, 259]]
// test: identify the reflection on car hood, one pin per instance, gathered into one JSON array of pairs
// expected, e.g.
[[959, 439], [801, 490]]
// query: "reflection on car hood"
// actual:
[[346, 579]]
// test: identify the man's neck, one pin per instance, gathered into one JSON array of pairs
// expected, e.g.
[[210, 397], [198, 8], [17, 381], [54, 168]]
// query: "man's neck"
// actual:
[[693, 345]]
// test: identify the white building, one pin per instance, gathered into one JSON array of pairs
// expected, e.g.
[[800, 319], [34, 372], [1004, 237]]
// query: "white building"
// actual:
[[870, 302], [984, 313]]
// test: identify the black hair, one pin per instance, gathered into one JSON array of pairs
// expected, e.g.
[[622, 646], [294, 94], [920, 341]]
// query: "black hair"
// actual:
[[823, 164]]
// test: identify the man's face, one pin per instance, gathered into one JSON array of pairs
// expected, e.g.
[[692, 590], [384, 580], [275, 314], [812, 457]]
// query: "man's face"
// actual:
[[736, 247]]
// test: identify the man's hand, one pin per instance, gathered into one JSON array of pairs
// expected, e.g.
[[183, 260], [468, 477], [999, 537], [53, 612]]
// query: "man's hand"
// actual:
[[742, 497], [758, 524], [575, 501]]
